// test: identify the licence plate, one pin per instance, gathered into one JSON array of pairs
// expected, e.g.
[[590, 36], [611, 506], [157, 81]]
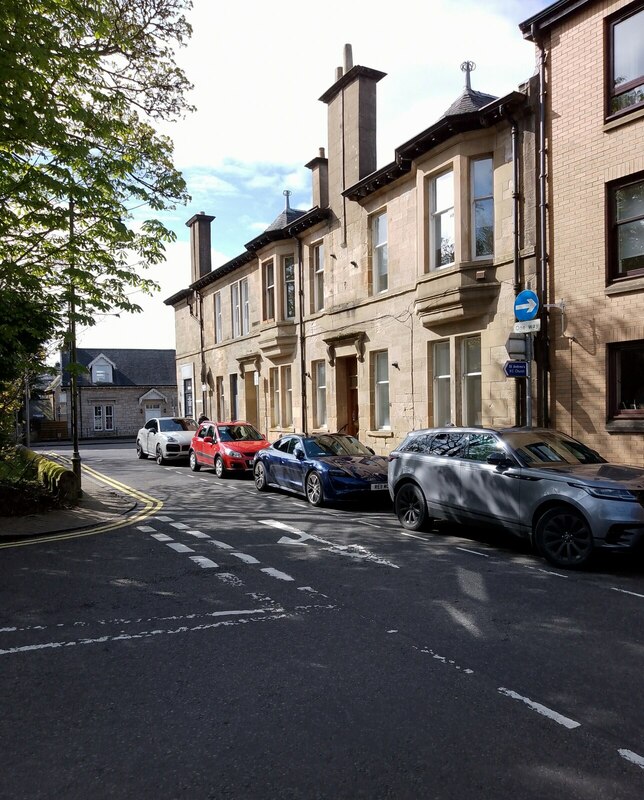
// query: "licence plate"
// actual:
[[378, 487]]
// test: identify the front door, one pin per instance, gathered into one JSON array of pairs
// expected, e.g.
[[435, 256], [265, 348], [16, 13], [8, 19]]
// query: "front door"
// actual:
[[347, 395]]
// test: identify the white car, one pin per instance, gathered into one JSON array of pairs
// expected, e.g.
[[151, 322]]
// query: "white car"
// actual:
[[165, 438]]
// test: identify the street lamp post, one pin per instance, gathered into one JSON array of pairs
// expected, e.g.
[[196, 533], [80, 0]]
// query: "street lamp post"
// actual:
[[76, 459]]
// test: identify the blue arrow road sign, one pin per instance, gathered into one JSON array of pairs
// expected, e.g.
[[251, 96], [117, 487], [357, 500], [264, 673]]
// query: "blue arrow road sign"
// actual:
[[526, 305], [516, 369]]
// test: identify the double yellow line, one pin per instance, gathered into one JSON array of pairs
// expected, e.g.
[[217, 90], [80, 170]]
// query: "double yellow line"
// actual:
[[150, 506]]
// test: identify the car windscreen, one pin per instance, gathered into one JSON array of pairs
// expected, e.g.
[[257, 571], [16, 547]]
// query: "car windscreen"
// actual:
[[545, 449], [328, 445], [239, 433], [174, 424]]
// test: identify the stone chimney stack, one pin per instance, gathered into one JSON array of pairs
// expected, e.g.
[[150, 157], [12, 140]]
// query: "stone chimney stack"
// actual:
[[200, 256], [351, 124], [320, 179]]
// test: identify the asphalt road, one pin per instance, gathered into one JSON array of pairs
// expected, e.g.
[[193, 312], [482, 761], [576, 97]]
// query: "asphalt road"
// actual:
[[245, 645]]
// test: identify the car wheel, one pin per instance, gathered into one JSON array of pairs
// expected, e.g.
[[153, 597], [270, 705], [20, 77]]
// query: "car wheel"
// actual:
[[194, 464], [313, 486], [410, 507], [219, 467], [159, 457], [563, 538], [139, 451], [261, 481]]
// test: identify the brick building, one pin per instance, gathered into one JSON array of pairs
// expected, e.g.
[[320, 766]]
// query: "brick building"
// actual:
[[591, 61], [386, 306]]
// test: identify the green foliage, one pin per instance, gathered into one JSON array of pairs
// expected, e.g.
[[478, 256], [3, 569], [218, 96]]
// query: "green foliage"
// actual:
[[83, 82]]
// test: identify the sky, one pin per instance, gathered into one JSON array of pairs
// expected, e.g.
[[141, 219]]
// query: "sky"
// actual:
[[258, 69]]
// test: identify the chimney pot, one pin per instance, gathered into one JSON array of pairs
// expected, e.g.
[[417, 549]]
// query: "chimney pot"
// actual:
[[348, 57]]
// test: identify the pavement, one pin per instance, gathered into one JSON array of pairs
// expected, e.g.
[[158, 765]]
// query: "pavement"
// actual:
[[99, 504]]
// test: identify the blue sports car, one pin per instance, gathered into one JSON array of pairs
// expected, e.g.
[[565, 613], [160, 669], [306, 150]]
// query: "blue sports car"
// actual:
[[325, 468]]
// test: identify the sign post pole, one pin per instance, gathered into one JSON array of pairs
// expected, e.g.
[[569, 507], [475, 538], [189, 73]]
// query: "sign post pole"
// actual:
[[526, 308], [528, 394]]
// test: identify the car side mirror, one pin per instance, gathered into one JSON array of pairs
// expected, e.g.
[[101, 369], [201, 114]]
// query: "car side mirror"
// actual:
[[500, 459], [299, 453], [207, 439]]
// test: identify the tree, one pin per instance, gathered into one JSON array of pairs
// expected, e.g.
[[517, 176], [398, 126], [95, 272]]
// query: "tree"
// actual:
[[83, 83]]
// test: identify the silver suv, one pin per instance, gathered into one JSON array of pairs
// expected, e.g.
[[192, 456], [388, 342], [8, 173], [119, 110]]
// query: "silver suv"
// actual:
[[537, 483]]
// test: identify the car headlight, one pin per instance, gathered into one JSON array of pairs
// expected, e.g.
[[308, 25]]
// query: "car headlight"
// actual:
[[171, 439], [608, 494], [232, 453], [338, 473]]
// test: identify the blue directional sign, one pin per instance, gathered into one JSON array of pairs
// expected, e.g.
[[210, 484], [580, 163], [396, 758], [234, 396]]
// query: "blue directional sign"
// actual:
[[526, 305], [516, 369]]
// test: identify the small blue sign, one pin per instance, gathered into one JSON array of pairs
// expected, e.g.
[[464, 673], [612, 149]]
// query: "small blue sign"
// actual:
[[516, 369], [526, 305]]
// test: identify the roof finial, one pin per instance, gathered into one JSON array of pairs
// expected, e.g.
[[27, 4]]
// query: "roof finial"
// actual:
[[287, 194], [467, 67]]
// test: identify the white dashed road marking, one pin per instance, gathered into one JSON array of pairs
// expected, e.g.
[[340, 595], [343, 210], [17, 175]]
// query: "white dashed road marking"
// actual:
[[180, 548], [629, 755], [245, 558], [474, 552], [145, 529], [180, 526], [547, 712], [204, 563], [275, 573], [354, 551], [625, 591], [221, 545], [198, 534], [164, 519], [161, 537]]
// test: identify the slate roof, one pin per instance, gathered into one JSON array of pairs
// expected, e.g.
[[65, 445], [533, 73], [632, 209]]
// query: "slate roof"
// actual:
[[132, 367], [287, 217], [470, 100]]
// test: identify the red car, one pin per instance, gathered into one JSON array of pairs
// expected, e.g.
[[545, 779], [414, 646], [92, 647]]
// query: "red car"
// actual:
[[226, 446]]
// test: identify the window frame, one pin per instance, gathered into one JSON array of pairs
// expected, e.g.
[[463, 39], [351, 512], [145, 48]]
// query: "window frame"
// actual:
[[378, 276], [268, 290], [285, 284], [286, 380], [219, 328], [188, 397], [98, 418], [317, 277], [320, 412], [437, 378], [274, 389], [239, 307], [466, 381], [235, 309], [381, 407], [435, 213], [473, 200], [612, 228], [613, 381], [611, 23]]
